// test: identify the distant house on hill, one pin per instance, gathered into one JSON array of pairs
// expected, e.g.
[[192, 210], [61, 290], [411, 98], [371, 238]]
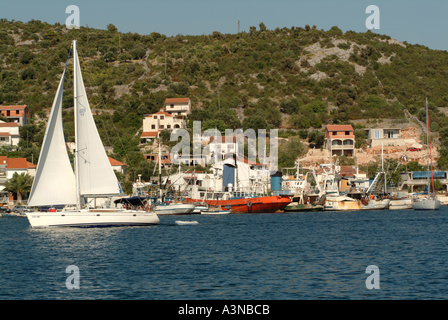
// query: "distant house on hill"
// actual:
[[340, 140], [384, 136], [17, 114], [117, 165], [9, 134], [155, 123], [178, 106]]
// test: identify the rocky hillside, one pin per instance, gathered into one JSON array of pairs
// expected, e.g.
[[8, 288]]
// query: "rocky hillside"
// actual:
[[298, 78]]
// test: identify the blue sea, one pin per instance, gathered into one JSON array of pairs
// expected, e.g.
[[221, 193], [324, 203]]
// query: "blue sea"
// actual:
[[289, 256]]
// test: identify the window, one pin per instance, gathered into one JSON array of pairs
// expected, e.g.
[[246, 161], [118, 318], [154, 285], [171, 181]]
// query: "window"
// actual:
[[168, 126], [162, 117], [335, 133], [17, 111], [162, 126], [153, 126], [155, 117], [377, 134], [347, 133], [172, 106]]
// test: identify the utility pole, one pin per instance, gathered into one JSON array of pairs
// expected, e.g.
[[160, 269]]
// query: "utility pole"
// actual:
[[239, 26]]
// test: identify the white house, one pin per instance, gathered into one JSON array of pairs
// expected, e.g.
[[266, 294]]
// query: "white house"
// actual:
[[385, 136], [178, 106], [155, 123], [9, 134]]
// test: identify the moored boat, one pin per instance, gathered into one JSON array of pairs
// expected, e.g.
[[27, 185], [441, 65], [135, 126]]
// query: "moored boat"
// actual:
[[267, 204]]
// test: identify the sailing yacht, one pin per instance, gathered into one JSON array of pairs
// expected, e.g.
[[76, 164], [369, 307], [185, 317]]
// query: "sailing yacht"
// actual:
[[55, 182], [430, 202]]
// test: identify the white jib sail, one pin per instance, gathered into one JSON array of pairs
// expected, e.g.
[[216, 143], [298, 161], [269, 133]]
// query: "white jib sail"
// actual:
[[54, 183], [96, 176]]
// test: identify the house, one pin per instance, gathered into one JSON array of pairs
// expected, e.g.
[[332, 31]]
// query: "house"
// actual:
[[153, 124], [9, 134], [219, 147], [178, 106], [117, 165], [420, 179], [385, 136], [19, 165], [166, 159], [340, 140], [17, 114]]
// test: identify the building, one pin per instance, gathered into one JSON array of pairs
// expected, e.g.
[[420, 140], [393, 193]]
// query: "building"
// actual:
[[9, 134], [340, 140], [117, 165], [155, 123], [17, 114], [178, 106], [385, 137], [219, 147], [420, 179]]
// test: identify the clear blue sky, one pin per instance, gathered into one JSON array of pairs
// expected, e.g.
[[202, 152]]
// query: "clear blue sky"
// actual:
[[414, 21]]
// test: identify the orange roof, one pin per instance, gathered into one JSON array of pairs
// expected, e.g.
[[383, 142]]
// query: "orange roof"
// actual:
[[16, 163], [161, 113], [339, 127], [177, 100], [4, 134], [12, 107], [114, 162], [149, 135], [8, 124]]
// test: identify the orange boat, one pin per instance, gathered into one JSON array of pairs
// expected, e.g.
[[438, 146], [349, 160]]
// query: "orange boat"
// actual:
[[268, 204]]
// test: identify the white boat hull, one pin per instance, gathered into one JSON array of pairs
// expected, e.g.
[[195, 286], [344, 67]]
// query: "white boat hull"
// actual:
[[174, 209], [97, 218], [400, 204], [426, 204]]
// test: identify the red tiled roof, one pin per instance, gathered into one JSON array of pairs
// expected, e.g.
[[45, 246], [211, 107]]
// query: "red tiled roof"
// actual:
[[114, 162], [12, 107], [8, 124], [16, 163], [4, 134], [161, 113], [177, 100], [339, 127], [149, 135]]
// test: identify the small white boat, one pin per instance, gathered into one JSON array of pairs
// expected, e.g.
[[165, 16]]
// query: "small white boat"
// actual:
[[174, 209], [185, 223], [400, 204], [200, 209], [212, 212], [430, 203]]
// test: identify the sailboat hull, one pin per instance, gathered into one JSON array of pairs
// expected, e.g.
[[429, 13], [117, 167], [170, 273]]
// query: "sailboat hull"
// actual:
[[426, 204], [92, 219]]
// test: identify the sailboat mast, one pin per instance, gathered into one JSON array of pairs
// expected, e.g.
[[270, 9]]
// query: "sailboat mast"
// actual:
[[75, 56], [429, 146]]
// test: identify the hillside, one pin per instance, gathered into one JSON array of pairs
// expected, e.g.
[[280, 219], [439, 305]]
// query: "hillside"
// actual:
[[292, 78]]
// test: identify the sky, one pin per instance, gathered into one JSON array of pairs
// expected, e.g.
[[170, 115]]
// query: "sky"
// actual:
[[414, 21]]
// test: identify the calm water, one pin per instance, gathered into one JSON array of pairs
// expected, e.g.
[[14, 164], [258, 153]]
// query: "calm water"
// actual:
[[265, 256]]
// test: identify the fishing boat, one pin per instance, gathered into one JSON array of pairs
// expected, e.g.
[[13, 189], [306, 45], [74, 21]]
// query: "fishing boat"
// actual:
[[55, 182], [346, 203], [302, 202], [430, 202]]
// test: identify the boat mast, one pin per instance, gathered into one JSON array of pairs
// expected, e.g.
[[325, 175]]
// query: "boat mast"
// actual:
[[75, 72], [429, 146]]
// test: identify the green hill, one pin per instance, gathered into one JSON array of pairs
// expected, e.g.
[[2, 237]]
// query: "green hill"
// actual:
[[290, 78]]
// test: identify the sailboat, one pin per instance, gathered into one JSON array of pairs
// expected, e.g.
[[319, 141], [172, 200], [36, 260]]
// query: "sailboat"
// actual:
[[430, 202], [55, 182]]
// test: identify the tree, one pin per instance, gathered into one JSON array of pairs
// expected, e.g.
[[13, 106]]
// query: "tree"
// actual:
[[111, 27], [19, 184]]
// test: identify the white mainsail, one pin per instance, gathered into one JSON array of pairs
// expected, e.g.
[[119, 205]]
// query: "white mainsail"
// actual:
[[95, 173], [54, 183]]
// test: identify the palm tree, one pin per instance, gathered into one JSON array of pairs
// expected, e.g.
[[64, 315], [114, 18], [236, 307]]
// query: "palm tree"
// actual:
[[19, 183]]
